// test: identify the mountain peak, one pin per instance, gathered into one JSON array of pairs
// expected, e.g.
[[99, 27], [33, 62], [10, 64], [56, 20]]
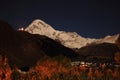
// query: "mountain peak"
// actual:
[[40, 27], [40, 23]]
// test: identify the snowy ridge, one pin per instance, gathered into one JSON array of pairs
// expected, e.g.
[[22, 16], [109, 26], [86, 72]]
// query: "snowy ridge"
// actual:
[[108, 39], [68, 39]]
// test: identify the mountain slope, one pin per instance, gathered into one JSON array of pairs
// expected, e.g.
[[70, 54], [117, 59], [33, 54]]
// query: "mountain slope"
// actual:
[[68, 39], [19, 50], [104, 52]]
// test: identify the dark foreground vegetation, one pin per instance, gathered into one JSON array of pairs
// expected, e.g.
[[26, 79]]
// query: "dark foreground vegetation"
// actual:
[[57, 68]]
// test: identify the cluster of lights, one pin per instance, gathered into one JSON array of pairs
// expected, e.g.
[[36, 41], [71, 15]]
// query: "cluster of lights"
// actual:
[[21, 29]]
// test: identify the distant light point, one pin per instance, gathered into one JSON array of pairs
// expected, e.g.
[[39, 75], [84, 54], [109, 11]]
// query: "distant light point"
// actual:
[[21, 29]]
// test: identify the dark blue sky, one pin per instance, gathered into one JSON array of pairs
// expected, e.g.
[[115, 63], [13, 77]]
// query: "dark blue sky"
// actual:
[[89, 18]]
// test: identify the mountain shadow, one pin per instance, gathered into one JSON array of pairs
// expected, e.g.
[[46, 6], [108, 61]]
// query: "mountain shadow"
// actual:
[[103, 52]]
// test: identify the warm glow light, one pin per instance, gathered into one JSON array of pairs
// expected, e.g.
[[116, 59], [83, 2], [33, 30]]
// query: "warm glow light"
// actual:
[[21, 29]]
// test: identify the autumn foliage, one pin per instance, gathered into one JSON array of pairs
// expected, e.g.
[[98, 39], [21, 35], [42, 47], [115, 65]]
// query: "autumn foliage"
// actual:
[[57, 68]]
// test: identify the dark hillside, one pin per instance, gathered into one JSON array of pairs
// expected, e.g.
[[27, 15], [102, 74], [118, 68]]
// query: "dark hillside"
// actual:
[[99, 52], [24, 49]]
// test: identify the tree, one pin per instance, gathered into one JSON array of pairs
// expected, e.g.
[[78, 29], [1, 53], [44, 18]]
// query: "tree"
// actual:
[[117, 57]]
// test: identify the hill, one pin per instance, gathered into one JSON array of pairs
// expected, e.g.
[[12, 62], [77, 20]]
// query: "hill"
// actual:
[[25, 49]]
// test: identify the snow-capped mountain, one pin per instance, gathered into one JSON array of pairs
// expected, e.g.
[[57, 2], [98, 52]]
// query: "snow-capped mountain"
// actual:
[[68, 39]]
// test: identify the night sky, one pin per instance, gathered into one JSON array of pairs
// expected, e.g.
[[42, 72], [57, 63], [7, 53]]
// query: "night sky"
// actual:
[[89, 18]]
